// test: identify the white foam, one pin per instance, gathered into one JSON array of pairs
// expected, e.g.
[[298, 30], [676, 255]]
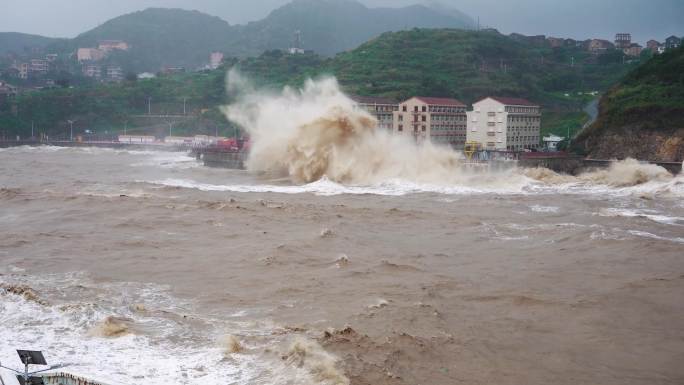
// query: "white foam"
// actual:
[[168, 160], [150, 358], [646, 234], [660, 218], [544, 209], [326, 187]]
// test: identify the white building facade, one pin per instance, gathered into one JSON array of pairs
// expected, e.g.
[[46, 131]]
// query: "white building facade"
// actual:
[[504, 124], [438, 120], [381, 108]]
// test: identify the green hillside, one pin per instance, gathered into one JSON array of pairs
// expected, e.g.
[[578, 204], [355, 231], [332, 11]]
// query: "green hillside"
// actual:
[[444, 62], [20, 43], [332, 26], [643, 116], [174, 37], [158, 37], [466, 65]]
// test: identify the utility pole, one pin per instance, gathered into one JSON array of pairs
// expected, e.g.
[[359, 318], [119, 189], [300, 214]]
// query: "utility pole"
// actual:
[[573, 61], [184, 100], [71, 124], [170, 125], [125, 127], [149, 105], [32, 129]]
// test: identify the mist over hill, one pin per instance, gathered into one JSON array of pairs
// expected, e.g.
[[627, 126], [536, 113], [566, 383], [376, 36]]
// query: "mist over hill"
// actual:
[[175, 37], [22, 42]]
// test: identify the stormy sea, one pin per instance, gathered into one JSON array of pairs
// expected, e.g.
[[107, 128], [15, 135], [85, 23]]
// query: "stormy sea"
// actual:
[[341, 255]]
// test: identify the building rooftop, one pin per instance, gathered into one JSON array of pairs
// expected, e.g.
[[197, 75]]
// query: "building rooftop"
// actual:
[[371, 100], [440, 101], [511, 101]]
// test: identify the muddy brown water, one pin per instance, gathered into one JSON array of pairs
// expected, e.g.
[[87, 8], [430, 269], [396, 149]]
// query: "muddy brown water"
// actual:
[[535, 287]]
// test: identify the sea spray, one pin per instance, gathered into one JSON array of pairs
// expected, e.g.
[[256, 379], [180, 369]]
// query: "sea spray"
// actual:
[[318, 134], [318, 131]]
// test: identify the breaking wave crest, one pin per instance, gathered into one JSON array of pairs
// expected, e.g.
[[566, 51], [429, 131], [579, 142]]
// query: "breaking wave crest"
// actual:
[[318, 131], [317, 134]]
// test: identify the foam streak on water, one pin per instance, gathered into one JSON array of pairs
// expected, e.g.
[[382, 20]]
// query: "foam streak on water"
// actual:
[[156, 350]]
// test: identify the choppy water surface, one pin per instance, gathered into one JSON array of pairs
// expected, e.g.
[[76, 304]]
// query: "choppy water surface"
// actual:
[[148, 267]]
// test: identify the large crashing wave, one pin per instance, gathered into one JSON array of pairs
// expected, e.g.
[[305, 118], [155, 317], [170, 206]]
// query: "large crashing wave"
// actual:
[[318, 132]]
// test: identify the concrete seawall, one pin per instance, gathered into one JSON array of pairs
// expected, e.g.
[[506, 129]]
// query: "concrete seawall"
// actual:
[[576, 164]]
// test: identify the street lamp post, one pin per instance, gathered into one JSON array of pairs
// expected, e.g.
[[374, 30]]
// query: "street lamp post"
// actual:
[[71, 124]]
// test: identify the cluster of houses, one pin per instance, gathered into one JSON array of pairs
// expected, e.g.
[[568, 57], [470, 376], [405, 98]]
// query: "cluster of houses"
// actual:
[[89, 59], [494, 123], [623, 41], [33, 67]]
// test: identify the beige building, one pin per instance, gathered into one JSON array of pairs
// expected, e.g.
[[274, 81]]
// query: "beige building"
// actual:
[[39, 66], [504, 124], [111, 45], [90, 54], [439, 120], [381, 108]]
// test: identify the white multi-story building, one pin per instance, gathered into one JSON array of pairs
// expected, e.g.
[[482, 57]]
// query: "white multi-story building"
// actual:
[[215, 60], [90, 54], [111, 45], [381, 108], [504, 124], [439, 120]]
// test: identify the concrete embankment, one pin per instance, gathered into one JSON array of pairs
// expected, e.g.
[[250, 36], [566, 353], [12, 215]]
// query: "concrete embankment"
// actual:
[[569, 164]]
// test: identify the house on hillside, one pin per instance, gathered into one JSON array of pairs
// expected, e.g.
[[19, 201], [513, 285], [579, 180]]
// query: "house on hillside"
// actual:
[[92, 71], [623, 40], [672, 42], [39, 66], [89, 54], [504, 124], [599, 46], [634, 50], [107, 46], [7, 92], [381, 108], [555, 42], [114, 73], [652, 45], [439, 120]]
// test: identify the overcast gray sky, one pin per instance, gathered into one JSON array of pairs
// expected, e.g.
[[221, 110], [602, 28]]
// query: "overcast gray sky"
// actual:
[[564, 18]]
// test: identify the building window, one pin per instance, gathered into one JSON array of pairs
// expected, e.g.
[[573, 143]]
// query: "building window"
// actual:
[[415, 108], [424, 108], [423, 128], [401, 118], [401, 127], [403, 108], [424, 118], [491, 113]]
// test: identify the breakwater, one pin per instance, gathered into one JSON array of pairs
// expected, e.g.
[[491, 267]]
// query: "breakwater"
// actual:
[[575, 164]]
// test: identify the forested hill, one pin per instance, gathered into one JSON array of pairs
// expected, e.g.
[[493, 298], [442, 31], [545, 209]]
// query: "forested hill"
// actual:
[[443, 62], [643, 116], [158, 37], [174, 37], [332, 26], [22, 42], [466, 65]]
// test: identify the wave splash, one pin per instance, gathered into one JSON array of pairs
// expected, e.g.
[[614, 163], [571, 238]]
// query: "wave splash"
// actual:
[[317, 133]]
